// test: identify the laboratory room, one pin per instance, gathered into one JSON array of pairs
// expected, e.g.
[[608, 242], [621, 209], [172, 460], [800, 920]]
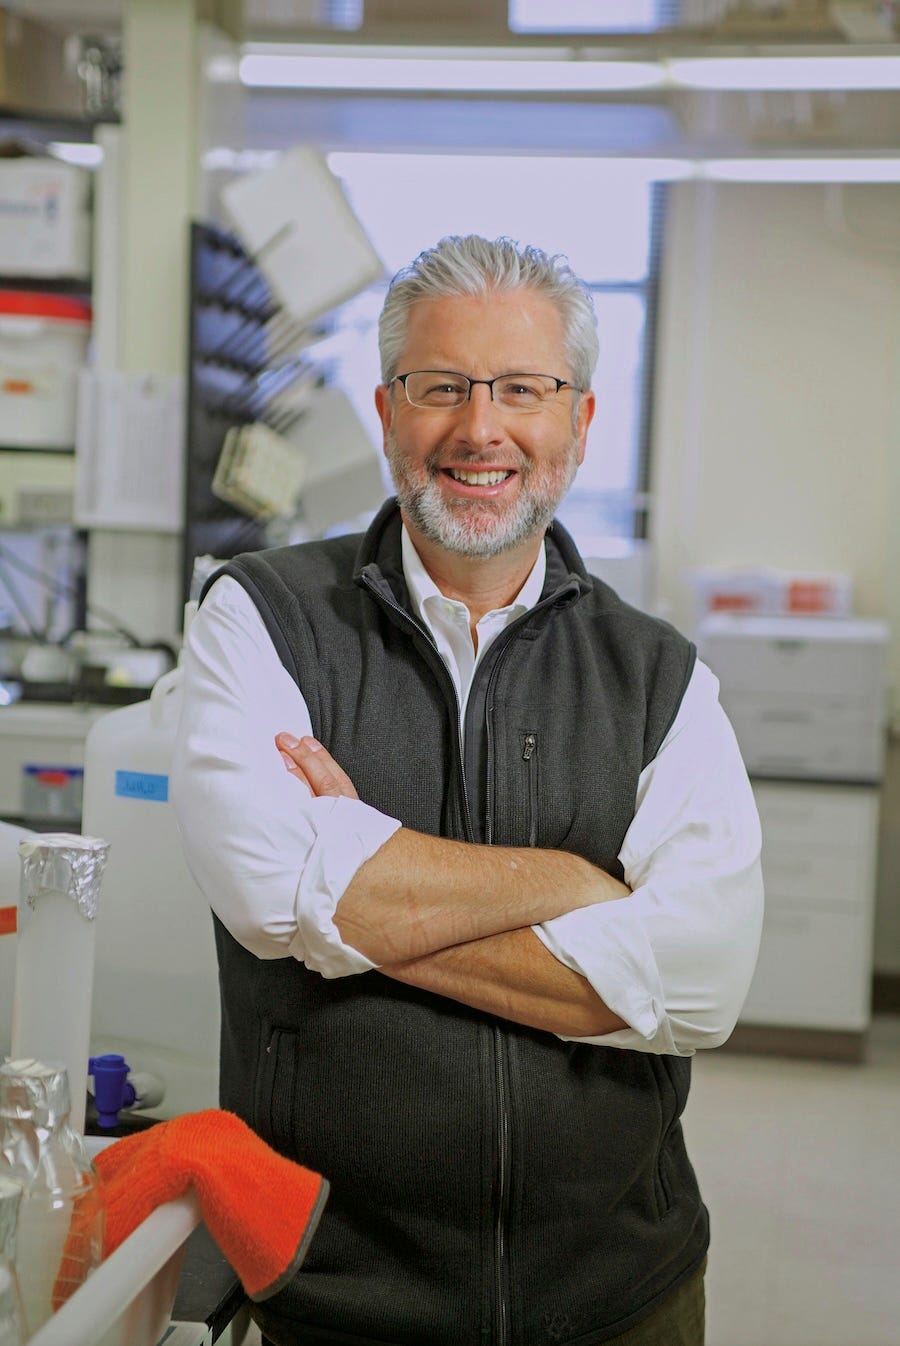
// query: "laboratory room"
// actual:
[[597, 299]]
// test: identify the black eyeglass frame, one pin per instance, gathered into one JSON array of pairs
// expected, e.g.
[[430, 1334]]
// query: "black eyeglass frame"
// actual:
[[488, 383]]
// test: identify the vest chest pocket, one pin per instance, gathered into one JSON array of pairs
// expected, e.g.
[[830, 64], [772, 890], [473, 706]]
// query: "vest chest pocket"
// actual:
[[532, 804]]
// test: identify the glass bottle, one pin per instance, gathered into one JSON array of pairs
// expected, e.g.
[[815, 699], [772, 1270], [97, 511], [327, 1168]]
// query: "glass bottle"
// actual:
[[12, 1315], [59, 1236]]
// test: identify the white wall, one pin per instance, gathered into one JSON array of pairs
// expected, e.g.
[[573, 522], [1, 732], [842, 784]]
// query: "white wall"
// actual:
[[777, 410], [777, 405]]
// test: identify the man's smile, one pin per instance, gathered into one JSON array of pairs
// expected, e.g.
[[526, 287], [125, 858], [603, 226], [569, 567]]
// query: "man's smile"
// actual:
[[479, 478]]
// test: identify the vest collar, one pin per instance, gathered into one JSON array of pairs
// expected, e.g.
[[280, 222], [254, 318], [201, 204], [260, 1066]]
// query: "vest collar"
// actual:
[[379, 561]]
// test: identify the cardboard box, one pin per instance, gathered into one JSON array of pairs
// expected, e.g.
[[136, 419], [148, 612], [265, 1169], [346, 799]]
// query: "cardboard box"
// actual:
[[44, 218]]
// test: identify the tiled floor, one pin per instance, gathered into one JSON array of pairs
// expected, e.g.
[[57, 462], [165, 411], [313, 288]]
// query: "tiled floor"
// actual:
[[799, 1163]]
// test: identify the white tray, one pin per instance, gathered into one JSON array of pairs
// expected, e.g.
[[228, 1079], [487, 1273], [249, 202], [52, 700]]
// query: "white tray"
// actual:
[[128, 1300]]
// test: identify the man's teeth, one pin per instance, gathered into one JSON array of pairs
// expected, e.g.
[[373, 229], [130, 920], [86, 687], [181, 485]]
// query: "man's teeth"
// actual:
[[478, 478]]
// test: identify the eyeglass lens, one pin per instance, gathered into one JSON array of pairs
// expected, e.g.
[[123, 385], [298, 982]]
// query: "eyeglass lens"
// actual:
[[516, 392]]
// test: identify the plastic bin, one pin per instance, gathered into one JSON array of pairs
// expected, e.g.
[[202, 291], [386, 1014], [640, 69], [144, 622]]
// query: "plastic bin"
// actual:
[[44, 218], [128, 1300], [43, 344]]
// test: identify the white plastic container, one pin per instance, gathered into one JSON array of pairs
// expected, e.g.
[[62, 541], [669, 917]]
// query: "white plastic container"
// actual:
[[43, 344], [44, 219], [10, 869], [156, 998]]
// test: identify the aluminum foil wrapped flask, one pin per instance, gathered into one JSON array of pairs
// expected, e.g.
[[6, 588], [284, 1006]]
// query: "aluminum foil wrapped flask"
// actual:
[[59, 897]]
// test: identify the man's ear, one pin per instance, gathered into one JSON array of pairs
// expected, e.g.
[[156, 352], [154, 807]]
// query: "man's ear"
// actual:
[[384, 405], [587, 405]]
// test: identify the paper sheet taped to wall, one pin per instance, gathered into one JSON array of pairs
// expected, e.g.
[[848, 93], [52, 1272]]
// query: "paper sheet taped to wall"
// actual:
[[129, 461]]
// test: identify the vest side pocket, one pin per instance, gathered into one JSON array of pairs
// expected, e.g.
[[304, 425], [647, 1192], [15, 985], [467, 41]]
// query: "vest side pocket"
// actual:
[[275, 1088]]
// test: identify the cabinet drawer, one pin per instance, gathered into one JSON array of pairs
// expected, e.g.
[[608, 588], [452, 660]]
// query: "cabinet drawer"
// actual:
[[814, 971], [810, 876], [818, 815]]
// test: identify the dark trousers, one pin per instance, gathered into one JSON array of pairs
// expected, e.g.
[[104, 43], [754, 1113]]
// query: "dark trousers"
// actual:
[[680, 1321]]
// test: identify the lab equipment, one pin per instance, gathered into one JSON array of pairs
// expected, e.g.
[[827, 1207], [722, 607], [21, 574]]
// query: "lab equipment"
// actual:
[[59, 1234], [58, 901], [117, 1090], [156, 997], [12, 1314]]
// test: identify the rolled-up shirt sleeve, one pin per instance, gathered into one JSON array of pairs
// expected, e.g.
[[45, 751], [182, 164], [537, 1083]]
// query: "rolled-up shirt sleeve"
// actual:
[[675, 958], [272, 860]]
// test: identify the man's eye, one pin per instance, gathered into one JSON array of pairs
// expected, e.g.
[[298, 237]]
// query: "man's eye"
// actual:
[[522, 388], [444, 390]]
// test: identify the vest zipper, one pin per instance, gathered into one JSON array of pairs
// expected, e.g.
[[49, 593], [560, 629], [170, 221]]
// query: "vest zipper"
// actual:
[[529, 755], [503, 1188], [500, 1052]]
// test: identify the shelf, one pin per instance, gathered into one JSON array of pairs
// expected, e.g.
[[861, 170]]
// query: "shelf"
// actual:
[[47, 284], [66, 451]]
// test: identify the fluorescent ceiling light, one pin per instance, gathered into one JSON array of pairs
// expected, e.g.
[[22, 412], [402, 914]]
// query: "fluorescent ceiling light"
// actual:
[[856, 169], [786, 72], [620, 168], [491, 71], [73, 152], [527, 69]]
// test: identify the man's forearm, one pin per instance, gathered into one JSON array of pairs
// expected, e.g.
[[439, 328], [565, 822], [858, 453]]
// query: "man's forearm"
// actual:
[[514, 976], [419, 894]]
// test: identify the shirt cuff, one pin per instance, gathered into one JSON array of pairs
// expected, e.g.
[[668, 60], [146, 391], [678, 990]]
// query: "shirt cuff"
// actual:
[[617, 960], [348, 834]]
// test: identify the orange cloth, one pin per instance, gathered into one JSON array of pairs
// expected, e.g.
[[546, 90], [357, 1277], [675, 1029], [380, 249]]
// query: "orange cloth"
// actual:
[[261, 1209]]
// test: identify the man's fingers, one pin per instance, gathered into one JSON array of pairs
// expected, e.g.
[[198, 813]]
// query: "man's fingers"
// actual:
[[316, 766]]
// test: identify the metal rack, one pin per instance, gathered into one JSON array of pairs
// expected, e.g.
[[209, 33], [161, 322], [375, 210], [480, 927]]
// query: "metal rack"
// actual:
[[246, 363]]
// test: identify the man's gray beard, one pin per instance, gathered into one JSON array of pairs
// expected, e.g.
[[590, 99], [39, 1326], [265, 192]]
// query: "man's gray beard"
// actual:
[[451, 526]]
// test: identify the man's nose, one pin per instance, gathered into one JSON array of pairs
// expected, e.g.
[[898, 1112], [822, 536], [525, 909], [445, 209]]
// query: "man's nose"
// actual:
[[478, 420]]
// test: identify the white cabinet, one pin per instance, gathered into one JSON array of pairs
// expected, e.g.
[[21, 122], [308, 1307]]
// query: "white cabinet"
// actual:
[[819, 856]]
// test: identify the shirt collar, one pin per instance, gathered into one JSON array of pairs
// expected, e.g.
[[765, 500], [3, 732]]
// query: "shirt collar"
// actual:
[[422, 587]]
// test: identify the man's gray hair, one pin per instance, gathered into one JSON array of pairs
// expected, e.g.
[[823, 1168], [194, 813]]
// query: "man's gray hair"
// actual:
[[471, 265]]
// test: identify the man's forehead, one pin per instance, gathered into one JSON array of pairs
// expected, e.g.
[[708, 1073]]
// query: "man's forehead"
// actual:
[[505, 320]]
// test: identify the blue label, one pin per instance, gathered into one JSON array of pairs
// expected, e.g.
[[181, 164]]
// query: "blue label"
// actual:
[[142, 785]]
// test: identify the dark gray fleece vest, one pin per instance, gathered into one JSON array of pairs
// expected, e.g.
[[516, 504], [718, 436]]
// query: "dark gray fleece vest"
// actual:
[[491, 1185]]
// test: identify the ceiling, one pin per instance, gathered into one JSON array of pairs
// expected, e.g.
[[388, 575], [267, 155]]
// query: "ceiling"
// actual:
[[720, 21], [673, 121]]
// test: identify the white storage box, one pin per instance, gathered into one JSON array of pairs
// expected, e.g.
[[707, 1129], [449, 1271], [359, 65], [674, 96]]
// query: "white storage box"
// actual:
[[43, 344], [44, 220], [764, 592]]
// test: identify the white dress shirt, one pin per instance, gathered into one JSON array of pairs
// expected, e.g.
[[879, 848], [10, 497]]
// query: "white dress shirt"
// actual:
[[674, 959]]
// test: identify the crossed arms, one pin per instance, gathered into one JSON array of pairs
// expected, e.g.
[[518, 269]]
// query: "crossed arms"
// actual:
[[454, 918], [274, 860]]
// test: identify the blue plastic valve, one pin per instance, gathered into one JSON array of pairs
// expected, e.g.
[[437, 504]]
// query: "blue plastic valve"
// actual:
[[111, 1088]]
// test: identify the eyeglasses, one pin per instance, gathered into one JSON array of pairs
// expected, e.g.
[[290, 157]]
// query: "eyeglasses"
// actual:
[[442, 390]]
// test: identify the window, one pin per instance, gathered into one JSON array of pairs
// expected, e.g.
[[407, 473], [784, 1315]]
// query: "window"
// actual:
[[602, 216], [590, 16]]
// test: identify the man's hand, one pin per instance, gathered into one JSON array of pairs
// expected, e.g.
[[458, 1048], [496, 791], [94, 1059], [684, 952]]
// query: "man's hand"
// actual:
[[469, 939], [308, 761]]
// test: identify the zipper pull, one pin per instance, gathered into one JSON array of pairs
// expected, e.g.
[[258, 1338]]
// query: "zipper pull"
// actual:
[[529, 747]]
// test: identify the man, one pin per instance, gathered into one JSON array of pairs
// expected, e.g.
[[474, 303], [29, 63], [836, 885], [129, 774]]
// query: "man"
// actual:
[[500, 878]]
